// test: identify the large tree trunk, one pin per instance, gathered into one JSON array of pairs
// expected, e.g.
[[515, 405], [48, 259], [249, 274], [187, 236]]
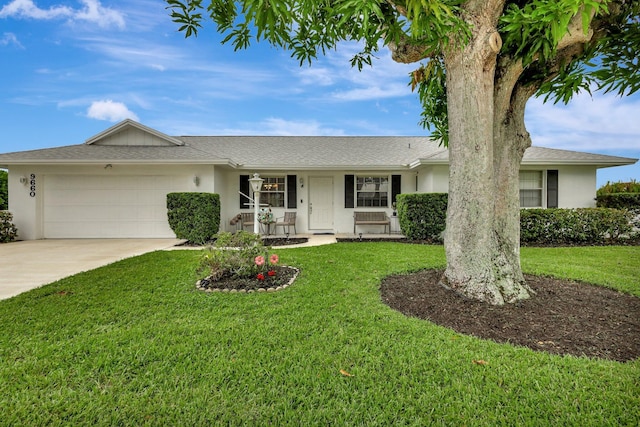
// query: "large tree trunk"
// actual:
[[482, 235], [511, 139]]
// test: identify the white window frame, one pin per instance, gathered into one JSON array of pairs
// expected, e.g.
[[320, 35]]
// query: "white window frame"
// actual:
[[272, 187], [530, 186], [369, 191]]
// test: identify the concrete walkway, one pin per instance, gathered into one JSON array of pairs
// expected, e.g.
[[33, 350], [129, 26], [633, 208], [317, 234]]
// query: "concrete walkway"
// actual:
[[313, 240], [30, 264]]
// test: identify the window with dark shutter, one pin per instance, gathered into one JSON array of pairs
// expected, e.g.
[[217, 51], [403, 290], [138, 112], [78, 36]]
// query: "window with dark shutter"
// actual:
[[552, 188], [349, 189], [245, 188], [292, 193]]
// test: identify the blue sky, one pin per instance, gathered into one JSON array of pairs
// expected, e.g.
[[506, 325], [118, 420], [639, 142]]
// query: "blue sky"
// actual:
[[72, 68]]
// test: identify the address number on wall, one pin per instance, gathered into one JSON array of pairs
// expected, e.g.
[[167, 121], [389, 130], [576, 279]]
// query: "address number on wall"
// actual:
[[32, 183]]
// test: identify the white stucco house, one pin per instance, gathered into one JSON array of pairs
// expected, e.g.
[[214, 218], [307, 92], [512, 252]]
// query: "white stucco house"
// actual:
[[114, 185]]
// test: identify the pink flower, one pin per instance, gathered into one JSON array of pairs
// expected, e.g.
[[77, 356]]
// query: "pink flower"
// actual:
[[271, 273], [260, 276], [259, 261], [274, 259]]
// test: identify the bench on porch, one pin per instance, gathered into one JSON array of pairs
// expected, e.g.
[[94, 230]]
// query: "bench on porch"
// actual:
[[371, 218]]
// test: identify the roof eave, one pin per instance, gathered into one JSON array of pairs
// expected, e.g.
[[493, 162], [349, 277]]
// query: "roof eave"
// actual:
[[323, 167], [219, 162], [425, 162], [597, 164]]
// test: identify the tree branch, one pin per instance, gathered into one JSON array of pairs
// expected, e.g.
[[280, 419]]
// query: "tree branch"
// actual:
[[405, 51], [401, 10], [575, 33]]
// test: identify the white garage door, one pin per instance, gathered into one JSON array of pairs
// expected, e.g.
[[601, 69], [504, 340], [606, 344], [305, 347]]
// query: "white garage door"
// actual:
[[88, 206]]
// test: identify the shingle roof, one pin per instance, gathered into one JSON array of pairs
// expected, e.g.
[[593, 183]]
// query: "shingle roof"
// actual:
[[316, 152], [285, 152]]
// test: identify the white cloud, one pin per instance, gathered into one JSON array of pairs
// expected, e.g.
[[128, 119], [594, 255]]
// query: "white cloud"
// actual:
[[10, 38], [281, 127], [105, 17], [27, 9], [602, 123], [92, 12], [392, 90], [384, 79], [277, 126], [320, 76], [110, 111]]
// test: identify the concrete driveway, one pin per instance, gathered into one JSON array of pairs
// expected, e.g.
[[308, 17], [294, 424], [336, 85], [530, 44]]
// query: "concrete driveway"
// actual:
[[29, 264]]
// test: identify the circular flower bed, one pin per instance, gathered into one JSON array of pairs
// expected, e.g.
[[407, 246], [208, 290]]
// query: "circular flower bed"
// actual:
[[277, 278]]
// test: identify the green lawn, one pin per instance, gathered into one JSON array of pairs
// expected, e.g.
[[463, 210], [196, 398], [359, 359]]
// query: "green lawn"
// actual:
[[135, 344]]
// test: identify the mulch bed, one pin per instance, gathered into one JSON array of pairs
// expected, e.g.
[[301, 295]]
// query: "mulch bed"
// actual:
[[267, 241], [283, 241], [282, 278], [563, 317]]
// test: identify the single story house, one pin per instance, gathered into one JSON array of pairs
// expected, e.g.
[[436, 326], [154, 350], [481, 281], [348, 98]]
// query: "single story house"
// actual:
[[115, 184]]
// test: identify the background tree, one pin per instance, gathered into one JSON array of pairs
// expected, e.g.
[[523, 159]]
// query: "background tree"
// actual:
[[4, 190], [482, 61]]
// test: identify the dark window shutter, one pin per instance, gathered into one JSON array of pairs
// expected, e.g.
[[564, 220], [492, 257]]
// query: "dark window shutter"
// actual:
[[292, 193], [396, 186], [244, 189], [552, 188], [349, 189]]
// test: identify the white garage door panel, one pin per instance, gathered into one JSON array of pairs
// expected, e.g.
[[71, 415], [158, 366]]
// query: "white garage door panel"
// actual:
[[78, 206]]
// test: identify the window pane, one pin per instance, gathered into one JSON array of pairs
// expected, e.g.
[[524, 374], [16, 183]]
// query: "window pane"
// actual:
[[372, 191], [273, 191], [530, 180], [530, 189], [530, 198]]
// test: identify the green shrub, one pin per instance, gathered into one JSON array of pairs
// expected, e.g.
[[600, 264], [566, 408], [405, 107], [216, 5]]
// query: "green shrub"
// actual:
[[194, 216], [8, 231], [422, 216], [4, 190], [619, 187], [575, 226], [233, 255], [619, 195], [619, 200]]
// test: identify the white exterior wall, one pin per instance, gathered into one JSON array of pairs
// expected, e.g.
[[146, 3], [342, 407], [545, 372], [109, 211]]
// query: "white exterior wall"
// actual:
[[230, 199], [24, 207], [433, 179], [576, 186], [342, 218], [28, 211]]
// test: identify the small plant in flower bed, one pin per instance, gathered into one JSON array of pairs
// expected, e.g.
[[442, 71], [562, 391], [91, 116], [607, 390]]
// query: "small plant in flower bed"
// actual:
[[240, 261]]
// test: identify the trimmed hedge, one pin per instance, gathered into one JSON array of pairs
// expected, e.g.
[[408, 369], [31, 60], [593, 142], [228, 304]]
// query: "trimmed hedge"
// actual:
[[619, 200], [422, 216], [194, 216], [575, 226], [8, 231]]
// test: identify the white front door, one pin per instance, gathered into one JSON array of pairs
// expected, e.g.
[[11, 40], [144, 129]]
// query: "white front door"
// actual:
[[321, 203]]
